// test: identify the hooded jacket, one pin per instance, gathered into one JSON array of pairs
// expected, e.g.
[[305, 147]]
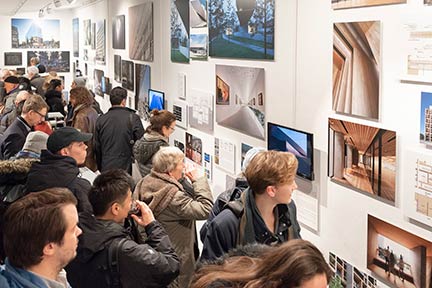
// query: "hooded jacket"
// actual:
[[59, 171], [145, 148], [13, 177], [177, 210], [150, 264], [19, 278]]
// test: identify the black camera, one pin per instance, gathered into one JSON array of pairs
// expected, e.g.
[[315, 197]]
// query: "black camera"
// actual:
[[135, 209]]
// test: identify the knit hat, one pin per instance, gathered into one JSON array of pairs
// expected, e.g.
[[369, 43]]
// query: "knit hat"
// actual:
[[64, 136], [36, 142], [250, 155], [80, 81], [12, 79]]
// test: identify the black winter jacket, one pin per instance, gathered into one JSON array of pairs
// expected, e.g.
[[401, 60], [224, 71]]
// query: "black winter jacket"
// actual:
[[151, 264], [223, 232], [59, 171], [55, 101], [114, 138]]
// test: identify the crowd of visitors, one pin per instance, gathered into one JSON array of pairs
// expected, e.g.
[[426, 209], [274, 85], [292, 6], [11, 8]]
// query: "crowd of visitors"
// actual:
[[61, 228]]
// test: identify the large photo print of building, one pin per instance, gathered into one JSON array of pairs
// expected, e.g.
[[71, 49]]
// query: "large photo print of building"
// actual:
[[238, 94], [141, 32], [142, 82], [241, 29], [363, 158], [356, 68], [397, 257], [58, 61], [35, 33], [180, 31]]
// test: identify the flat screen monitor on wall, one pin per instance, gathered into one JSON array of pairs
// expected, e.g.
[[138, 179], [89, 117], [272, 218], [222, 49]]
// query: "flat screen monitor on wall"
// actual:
[[299, 143], [156, 100]]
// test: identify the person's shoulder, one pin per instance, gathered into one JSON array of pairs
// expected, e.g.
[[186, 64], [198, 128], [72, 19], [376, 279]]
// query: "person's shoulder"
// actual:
[[4, 283], [225, 218]]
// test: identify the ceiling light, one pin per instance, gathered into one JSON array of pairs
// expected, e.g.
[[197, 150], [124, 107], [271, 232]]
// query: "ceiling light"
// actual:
[[70, 1], [48, 9], [57, 3], [41, 13]]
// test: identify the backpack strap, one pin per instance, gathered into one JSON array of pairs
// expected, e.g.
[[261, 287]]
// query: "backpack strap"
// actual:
[[236, 207], [113, 267]]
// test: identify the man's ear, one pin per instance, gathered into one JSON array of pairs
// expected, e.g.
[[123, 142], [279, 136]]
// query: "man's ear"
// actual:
[[48, 249], [115, 208], [123, 102], [64, 152], [271, 191]]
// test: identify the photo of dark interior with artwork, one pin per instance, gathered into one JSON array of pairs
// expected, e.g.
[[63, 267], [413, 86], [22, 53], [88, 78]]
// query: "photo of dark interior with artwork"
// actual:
[[363, 158], [397, 257]]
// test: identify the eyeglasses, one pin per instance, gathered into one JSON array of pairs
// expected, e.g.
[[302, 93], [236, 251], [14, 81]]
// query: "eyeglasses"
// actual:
[[40, 114]]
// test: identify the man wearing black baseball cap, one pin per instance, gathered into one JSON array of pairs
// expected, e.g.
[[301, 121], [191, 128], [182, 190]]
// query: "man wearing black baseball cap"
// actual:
[[58, 167]]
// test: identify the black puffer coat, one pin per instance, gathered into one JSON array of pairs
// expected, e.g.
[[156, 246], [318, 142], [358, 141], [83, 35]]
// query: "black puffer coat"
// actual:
[[59, 171]]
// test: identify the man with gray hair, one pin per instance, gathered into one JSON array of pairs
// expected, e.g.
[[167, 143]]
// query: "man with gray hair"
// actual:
[[12, 112], [34, 112], [35, 79]]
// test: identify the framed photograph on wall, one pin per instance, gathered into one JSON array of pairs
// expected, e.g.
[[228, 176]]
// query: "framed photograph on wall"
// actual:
[[12, 58], [260, 99], [222, 92]]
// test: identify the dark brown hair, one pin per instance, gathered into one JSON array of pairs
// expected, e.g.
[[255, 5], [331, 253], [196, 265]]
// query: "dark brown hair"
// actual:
[[286, 266], [160, 119], [81, 96], [269, 168], [32, 222]]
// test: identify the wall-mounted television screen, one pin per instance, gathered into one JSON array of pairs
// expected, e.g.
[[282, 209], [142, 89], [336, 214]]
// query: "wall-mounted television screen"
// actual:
[[156, 100], [297, 142]]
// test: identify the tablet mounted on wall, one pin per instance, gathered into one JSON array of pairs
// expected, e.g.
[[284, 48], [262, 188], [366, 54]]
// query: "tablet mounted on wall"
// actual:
[[299, 143], [156, 100]]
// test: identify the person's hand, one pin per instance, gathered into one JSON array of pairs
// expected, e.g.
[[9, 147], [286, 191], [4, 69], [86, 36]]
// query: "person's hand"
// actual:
[[191, 172], [146, 214]]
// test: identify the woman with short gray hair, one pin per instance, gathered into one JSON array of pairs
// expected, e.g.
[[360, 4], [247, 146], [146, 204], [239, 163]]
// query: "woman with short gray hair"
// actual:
[[174, 206]]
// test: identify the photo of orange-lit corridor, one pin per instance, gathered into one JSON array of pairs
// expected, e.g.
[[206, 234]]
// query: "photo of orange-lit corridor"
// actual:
[[363, 158], [397, 257]]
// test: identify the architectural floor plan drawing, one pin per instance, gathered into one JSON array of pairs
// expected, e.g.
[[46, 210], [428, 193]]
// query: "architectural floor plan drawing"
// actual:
[[418, 186], [419, 51]]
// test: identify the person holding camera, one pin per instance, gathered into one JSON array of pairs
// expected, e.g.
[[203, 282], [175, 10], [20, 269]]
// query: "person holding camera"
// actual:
[[105, 242]]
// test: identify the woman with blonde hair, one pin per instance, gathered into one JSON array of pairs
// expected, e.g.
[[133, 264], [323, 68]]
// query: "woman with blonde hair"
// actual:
[[84, 119], [174, 207], [297, 263]]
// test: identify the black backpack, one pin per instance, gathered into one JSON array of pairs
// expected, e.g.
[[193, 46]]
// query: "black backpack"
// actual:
[[101, 271]]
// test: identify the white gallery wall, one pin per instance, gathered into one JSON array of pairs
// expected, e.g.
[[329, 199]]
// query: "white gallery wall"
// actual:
[[65, 18], [298, 94]]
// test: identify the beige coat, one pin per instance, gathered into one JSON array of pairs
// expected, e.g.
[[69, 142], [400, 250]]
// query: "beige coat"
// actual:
[[177, 211]]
